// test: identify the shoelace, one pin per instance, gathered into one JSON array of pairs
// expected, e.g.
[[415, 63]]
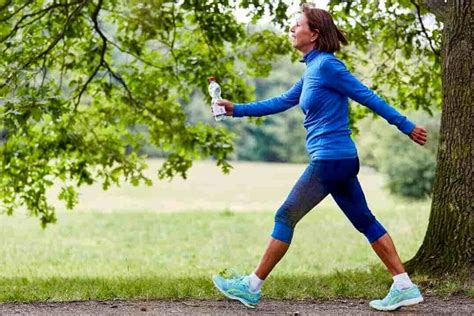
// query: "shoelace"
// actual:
[[237, 280], [389, 295]]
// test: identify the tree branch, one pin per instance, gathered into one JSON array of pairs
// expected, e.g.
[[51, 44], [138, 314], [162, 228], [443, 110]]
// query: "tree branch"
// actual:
[[58, 37], [95, 15], [52, 44], [347, 9], [14, 13], [18, 25], [123, 50], [5, 5], [173, 42], [423, 29], [41, 12], [102, 62]]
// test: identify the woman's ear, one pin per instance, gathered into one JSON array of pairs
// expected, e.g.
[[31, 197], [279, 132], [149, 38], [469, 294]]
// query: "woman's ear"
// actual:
[[315, 36]]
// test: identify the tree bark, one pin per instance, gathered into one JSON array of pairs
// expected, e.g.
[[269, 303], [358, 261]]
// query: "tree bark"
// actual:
[[437, 7], [448, 245]]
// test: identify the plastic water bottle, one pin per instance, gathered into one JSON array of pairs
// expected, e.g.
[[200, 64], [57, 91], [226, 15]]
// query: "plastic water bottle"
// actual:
[[215, 92]]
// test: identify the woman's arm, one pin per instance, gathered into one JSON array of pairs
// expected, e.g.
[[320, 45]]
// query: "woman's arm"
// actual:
[[340, 79], [270, 106]]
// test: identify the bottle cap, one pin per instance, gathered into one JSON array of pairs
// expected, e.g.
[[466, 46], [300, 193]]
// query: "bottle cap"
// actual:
[[211, 78]]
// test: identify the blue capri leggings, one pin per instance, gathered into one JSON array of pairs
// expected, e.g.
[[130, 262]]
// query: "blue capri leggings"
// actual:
[[323, 177]]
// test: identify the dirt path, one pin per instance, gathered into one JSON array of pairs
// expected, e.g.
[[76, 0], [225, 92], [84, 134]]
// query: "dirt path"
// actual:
[[432, 305]]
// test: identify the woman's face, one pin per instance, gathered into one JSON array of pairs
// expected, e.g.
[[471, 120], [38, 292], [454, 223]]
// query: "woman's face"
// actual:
[[303, 39]]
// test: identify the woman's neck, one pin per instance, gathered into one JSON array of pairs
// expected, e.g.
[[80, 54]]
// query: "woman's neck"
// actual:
[[306, 50]]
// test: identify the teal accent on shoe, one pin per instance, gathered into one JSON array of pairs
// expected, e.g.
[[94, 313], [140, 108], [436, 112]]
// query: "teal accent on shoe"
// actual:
[[397, 298], [237, 289]]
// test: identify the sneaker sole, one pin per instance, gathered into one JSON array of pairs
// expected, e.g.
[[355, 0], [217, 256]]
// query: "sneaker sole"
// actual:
[[412, 301], [232, 296]]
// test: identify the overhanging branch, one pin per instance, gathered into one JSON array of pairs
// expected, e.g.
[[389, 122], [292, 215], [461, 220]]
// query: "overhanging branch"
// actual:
[[102, 62], [52, 44], [18, 25], [14, 13]]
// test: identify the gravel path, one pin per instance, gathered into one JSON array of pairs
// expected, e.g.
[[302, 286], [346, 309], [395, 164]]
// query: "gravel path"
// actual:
[[432, 305]]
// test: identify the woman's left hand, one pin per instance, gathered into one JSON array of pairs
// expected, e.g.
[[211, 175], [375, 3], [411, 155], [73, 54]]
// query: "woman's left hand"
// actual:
[[419, 135]]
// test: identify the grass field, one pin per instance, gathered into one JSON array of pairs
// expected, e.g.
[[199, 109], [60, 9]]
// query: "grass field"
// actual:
[[141, 243]]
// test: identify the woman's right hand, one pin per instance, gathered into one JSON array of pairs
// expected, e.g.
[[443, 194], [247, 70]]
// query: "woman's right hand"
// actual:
[[229, 106]]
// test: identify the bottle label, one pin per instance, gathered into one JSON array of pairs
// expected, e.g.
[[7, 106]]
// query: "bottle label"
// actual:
[[218, 109]]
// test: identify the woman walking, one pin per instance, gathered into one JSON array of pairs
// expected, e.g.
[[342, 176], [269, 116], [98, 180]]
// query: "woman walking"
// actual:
[[322, 94]]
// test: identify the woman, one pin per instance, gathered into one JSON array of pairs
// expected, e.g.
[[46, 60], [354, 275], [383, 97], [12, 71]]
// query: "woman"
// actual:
[[322, 94]]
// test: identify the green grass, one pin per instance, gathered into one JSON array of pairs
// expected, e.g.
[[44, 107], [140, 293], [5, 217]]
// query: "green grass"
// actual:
[[286, 286], [112, 249], [155, 255]]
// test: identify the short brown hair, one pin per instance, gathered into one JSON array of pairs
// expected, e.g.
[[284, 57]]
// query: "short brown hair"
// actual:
[[330, 37]]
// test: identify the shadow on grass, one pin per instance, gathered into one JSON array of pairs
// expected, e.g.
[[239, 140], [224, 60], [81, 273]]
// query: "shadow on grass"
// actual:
[[348, 284]]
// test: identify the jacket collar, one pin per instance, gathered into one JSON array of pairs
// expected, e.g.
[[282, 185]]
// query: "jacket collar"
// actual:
[[309, 56]]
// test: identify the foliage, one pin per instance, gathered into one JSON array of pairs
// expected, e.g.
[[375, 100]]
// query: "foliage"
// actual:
[[77, 77], [395, 48], [398, 42], [279, 138]]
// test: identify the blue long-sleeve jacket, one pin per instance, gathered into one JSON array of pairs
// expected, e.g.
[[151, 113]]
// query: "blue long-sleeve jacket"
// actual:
[[322, 93]]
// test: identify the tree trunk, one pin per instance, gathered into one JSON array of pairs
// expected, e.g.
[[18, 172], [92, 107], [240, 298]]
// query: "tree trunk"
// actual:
[[448, 244]]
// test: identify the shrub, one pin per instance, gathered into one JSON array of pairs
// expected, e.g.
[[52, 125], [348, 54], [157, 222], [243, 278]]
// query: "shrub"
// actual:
[[409, 168]]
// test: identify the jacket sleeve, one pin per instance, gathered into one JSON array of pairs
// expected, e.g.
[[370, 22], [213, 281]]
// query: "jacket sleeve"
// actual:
[[272, 105], [339, 78]]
